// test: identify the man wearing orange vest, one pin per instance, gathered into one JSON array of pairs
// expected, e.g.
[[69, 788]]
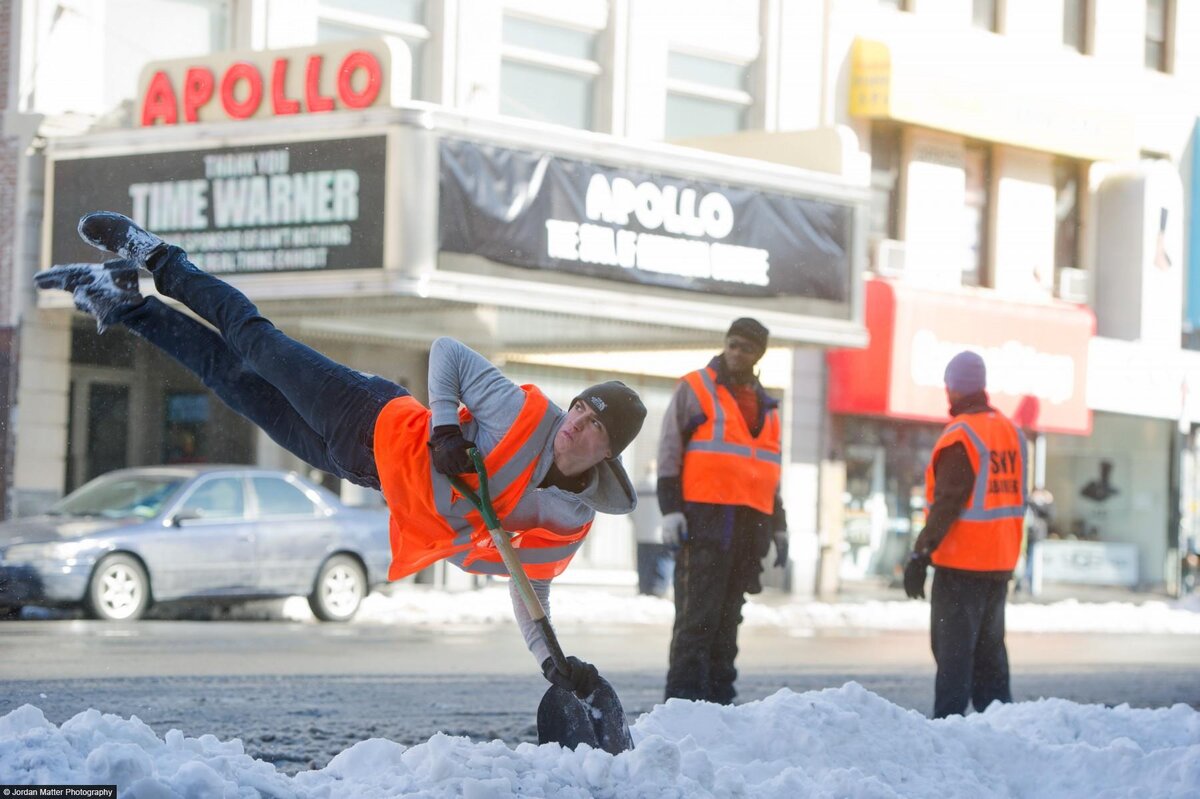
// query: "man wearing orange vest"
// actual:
[[550, 470], [975, 495], [718, 489]]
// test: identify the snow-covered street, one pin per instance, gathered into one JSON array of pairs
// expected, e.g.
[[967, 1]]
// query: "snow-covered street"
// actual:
[[844, 742], [833, 702]]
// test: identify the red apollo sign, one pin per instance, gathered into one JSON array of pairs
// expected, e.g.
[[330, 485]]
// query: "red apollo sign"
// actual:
[[337, 76], [1036, 356]]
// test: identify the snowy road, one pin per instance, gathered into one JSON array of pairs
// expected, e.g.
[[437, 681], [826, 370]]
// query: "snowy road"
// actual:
[[298, 693]]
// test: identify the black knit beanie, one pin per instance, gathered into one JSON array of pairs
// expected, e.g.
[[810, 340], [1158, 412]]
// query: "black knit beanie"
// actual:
[[751, 330], [619, 409]]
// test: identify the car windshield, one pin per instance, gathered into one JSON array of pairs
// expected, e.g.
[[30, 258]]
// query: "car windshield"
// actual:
[[120, 496]]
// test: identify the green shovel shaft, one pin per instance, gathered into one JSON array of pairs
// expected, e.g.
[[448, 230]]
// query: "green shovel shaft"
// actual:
[[516, 570]]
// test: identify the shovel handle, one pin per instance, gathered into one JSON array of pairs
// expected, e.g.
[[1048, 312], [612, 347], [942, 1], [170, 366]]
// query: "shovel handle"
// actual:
[[500, 537]]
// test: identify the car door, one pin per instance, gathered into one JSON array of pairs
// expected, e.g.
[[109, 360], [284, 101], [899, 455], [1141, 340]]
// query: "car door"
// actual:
[[208, 546], [294, 531]]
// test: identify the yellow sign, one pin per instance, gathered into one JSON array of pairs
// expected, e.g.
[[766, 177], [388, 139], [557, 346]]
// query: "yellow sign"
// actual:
[[984, 90], [870, 79]]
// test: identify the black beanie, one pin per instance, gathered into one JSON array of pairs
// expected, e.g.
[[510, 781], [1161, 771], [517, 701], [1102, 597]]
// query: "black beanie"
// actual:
[[751, 330], [619, 409]]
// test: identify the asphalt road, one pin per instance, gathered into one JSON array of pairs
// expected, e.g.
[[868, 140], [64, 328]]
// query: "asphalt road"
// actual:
[[297, 694]]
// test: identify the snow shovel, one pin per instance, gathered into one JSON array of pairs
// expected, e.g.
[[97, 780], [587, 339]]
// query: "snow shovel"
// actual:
[[562, 718]]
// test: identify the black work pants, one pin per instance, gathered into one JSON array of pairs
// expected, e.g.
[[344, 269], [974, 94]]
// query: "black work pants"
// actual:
[[710, 589], [317, 409], [967, 633]]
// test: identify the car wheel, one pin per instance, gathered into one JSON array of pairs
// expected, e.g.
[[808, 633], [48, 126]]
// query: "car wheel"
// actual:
[[119, 590], [10, 612], [339, 590]]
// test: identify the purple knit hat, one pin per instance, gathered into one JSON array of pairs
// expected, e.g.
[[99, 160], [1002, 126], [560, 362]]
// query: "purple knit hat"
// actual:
[[966, 373]]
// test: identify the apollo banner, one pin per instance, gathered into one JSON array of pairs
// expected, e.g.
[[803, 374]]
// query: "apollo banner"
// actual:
[[544, 211], [282, 207]]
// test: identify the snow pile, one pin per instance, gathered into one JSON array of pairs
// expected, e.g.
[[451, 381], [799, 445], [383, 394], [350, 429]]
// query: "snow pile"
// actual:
[[844, 742], [570, 606]]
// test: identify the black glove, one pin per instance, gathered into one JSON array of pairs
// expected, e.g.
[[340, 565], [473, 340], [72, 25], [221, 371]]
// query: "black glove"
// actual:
[[582, 678], [781, 548], [914, 575], [448, 449]]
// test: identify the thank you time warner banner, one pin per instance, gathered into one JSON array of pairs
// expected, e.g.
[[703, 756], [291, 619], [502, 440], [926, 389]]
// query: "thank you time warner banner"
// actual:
[[543, 211], [274, 207]]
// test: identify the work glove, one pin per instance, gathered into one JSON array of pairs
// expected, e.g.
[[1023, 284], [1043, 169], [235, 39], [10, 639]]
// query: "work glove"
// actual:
[[674, 530], [914, 575], [781, 548], [582, 678], [448, 449]]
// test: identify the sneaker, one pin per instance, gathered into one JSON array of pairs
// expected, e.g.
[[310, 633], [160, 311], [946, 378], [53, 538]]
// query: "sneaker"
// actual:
[[102, 290], [118, 234]]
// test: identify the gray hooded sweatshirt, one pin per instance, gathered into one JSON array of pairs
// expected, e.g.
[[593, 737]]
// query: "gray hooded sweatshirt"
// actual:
[[458, 374]]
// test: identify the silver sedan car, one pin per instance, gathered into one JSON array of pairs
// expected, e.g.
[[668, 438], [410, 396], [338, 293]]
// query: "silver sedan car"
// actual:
[[219, 533]]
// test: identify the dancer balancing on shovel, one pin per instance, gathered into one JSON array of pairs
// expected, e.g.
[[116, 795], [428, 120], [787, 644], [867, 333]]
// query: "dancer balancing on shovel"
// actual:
[[550, 469]]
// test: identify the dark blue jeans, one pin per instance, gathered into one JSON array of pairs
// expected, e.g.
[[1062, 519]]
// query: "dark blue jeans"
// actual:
[[967, 636], [315, 408]]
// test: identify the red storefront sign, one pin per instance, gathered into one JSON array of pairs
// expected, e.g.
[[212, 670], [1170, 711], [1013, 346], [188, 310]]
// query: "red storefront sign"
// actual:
[[1036, 356], [234, 86]]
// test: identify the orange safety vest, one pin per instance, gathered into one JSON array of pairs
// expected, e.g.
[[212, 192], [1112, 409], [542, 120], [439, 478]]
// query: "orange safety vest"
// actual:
[[722, 463], [987, 536], [431, 521]]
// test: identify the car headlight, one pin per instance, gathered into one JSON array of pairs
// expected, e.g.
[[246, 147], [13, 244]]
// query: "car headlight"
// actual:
[[57, 550]]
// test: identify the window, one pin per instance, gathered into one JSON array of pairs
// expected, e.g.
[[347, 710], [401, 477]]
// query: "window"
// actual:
[[976, 213], [549, 73], [185, 427], [1158, 18], [1075, 24], [706, 96], [1068, 178], [899, 5], [278, 497], [218, 498], [405, 19], [983, 14], [885, 183]]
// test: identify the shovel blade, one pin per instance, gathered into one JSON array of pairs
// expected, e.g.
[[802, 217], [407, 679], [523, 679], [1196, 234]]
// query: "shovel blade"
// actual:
[[599, 721]]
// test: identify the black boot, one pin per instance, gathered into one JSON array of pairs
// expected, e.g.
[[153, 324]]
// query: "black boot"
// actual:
[[105, 290], [118, 234]]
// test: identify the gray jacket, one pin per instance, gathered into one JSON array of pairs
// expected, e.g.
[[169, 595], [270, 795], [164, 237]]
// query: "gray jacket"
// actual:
[[458, 374]]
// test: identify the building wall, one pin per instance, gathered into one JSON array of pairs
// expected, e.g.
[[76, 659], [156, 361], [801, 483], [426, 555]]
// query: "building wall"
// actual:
[[9, 162]]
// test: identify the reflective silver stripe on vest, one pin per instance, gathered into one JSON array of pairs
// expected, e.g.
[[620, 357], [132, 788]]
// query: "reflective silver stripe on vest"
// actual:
[[718, 443], [767, 455], [991, 514], [532, 556], [978, 513], [721, 446], [718, 411], [455, 512], [1024, 469]]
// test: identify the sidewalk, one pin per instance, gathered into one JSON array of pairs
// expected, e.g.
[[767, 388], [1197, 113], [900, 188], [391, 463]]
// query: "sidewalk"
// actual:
[[881, 590]]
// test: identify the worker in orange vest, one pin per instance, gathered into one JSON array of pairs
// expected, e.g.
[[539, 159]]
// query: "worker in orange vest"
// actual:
[[550, 470], [718, 490], [975, 496]]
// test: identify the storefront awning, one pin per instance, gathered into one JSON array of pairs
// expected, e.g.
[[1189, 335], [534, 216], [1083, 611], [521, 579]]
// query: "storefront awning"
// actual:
[[972, 85], [1036, 355], [640, 244]]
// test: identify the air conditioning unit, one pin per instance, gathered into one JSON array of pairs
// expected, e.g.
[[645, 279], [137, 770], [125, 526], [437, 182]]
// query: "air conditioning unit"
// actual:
[[889, 258], [1073, 285]]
